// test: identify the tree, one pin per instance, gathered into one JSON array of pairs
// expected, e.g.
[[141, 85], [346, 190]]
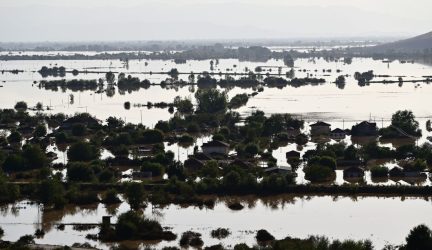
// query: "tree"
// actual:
[[135, 194], [51, 192], [317, 173], [152, 136], [263, 236], [34, 157], [183, 105], [211, 100], [301, 139], [351, 153], [110, 77], [39, 106], [238, 100], [419, 238], [83, 151], [127, 105], [78, 129], [40, 131], [340, 81], [133, 226], [173, 73], [14, 162], [21, 106], [79, 171], [155, 168], [14, 137], [405, 120], [251, 149], [232, 179], [114, 123], [379, 172]]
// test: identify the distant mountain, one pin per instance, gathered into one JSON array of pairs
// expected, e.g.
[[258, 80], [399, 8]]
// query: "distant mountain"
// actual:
[[418, 44]]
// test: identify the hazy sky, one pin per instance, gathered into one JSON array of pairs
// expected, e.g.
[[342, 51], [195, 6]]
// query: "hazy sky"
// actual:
[[84, 20]]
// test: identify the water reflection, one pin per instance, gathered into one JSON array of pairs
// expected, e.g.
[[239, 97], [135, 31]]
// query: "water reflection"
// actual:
[[368, 217]]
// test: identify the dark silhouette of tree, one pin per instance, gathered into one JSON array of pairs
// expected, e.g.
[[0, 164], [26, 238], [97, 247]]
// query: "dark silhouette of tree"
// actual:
[[419, 238]]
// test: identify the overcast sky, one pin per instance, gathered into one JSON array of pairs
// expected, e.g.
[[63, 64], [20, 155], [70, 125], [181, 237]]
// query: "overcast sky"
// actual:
[[91, 20]]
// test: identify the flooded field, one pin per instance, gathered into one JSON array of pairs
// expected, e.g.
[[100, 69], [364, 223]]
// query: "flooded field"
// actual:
[[382, 220], [326, 102]]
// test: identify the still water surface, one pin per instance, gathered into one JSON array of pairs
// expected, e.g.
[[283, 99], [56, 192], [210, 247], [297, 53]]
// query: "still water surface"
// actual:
[[383, 220]]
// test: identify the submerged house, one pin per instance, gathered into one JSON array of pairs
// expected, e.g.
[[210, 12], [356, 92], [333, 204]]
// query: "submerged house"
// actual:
[[353, 172], [202, 157], [364, 128], [292, 132], [215, 147], [240, 164], [338, 134], [193, 164], [292, 155], [396, 172], [278, 170], [320, 128]]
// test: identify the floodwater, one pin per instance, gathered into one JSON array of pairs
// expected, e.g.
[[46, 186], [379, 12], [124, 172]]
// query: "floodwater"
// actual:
[[342, 108], [382, 220]]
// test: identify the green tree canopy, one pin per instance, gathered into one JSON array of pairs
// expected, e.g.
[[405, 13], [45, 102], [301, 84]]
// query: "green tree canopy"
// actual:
[[211, 100]]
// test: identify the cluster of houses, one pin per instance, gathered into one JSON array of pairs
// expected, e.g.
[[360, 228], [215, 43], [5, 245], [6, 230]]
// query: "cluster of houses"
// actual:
[[364, 128], [220, 151], [213, 150]]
